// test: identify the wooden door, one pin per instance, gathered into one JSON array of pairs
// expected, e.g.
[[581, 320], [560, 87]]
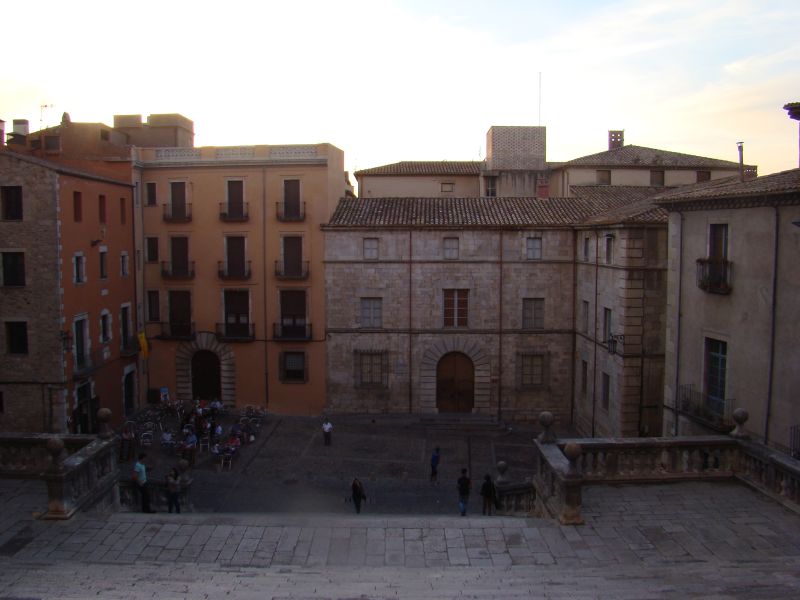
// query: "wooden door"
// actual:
[[292, 256], [291, 198], [180, 312], [178, 199], [293, 313], [206, 380], [237, 313], [455, 377], [179, 253], [235, 199], [235, 247]]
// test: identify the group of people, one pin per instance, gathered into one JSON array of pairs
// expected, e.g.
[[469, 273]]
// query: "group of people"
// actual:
[[172, 480]]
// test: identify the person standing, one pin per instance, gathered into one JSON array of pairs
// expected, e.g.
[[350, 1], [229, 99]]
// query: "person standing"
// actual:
[[140, 478], [464, 486], [489, 494], [173, 491], [327, 429], [357, 493], [435, 465]]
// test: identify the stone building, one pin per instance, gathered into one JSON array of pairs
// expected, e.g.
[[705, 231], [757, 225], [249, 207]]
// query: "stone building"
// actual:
[[468, 305], [732, 309], [68, 296]]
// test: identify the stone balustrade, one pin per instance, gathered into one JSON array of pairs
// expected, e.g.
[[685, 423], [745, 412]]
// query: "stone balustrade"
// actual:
[[25, 455]]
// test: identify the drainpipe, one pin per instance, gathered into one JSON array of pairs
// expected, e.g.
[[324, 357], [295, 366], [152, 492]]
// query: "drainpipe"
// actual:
[[265, 286], [500, 338], [574, 323], [594, 360], [410, 327], [772, 324], [678, 330]]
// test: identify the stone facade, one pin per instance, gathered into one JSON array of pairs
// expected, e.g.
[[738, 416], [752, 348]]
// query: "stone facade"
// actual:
[[516, 147]]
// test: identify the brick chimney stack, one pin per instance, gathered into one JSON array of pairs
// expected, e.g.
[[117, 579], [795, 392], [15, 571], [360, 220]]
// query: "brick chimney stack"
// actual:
[[793, 108], [616, 139]]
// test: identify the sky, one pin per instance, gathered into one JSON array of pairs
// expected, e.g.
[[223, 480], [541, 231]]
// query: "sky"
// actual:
[[390, 80]]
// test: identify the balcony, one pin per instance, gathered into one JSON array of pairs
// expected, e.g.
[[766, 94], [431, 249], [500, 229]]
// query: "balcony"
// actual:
[[236, 332], [178, 213], [710, 411], [714, 275], [177, 330], [87, 363], [129, 347], [286, 213], [173, 271], [289, 330], [233, 213], [283, 270], [233, 271]]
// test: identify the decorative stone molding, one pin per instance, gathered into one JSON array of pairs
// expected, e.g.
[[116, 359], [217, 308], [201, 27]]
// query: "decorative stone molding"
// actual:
[[431, 358], [205, 340]]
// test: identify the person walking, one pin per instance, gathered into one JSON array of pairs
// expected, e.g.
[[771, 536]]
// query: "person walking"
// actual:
[[140, 479], [173, 491], [327, 429], [464, 486], [489, 494], [435, 465], [357, 493]]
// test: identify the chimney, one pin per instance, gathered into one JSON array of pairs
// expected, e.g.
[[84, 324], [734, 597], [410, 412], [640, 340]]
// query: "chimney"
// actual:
[[793, 108], [2, 133], [740, 146], [616, 138], [21, 126]]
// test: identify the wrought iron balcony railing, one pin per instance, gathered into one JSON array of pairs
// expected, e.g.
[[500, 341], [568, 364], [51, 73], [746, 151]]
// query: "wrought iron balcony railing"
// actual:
[[178, 213], [710, 410], [286, 270], [285, 212], [233, 213], [236, 332], [289, 330], [177, 330], [714, 275], [237, 271], [170, 270]]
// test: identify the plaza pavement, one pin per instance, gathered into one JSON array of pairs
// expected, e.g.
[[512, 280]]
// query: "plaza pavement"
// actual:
[[684, 540]]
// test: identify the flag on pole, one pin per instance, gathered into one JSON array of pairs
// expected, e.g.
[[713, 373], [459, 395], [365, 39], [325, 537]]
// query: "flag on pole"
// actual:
[[143, 347]]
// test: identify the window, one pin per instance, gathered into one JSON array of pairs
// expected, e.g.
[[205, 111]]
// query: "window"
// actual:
[[292, 209], [123, 215], [151, 249], [152, 197], [80, 346], [293, 367], [584, 377], [606, 392], [718, 241], [370, 248], [13, 269], [603, 177], [531, 370], [237, 313], [371, 313], [124, 264], [448, 186], [11, 202], [606, 325], [101, 208], [657, 177], [451, 248], [105, 135], [456, 305], [153, 306], [533, 313], [52, 143], [2, 404], [716, 367], [292, 254], [103, 263], [235, 205], [16, 337], [105, 327], [79, 268], [179, 209], [533, 248], [586, 248], [703, 176], [125, 325], [293, 315], [584, 316], [609, 249], [371, 368], [491, 187], [235, 255], [77, 207], [180, 313]]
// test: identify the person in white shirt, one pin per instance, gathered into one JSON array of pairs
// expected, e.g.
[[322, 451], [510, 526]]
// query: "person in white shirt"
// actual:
[[327, 429]]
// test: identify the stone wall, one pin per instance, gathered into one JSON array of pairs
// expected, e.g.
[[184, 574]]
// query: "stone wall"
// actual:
[[516, 147]]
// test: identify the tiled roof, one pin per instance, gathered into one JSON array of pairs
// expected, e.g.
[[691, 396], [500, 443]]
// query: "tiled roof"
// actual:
[[63, 169], [785, 182], [426, 167], [640, 156], [622, 204], [458, 212]]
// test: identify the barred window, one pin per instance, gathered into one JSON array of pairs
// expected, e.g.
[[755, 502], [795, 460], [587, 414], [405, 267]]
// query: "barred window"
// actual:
[[372, 368], [456, 308], [531, 370], [533, 313], [371, 313], [293, 367]]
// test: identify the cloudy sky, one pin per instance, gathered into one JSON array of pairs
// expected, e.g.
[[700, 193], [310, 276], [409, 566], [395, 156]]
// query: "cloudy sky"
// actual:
[[389, 80]]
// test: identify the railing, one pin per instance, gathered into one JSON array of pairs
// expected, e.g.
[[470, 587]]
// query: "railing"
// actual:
[[178, 213], [25, 455], [88, 362], [233, 214], [177, 154], [236, 332], [794, 441], [177, 330], [291, 331], [285, 270], [771, 472], [234, 271], [292, 214], [715, 413], [170, 270], [714, 275]]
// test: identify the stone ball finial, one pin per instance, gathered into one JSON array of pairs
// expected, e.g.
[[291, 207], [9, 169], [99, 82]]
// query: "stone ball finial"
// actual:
[[546, 420], [502, 467], [573, 452], [103, 417], [740, 417], [55, 446]]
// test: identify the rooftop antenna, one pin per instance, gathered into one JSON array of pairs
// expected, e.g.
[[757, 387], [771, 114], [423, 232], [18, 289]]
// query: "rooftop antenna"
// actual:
[[540, 97], [41, 114]]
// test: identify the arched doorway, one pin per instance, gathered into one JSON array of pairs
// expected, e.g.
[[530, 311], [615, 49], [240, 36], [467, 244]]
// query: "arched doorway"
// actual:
[[205, 375], [455, 382]]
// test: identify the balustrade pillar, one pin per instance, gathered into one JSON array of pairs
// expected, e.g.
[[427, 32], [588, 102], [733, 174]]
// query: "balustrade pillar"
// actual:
[[572, 483], [548, 436]]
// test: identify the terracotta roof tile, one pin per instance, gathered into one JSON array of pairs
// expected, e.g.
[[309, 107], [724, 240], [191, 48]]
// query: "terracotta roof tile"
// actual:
[[425, 167], [641, 156], [622, 204], [785, 182]]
